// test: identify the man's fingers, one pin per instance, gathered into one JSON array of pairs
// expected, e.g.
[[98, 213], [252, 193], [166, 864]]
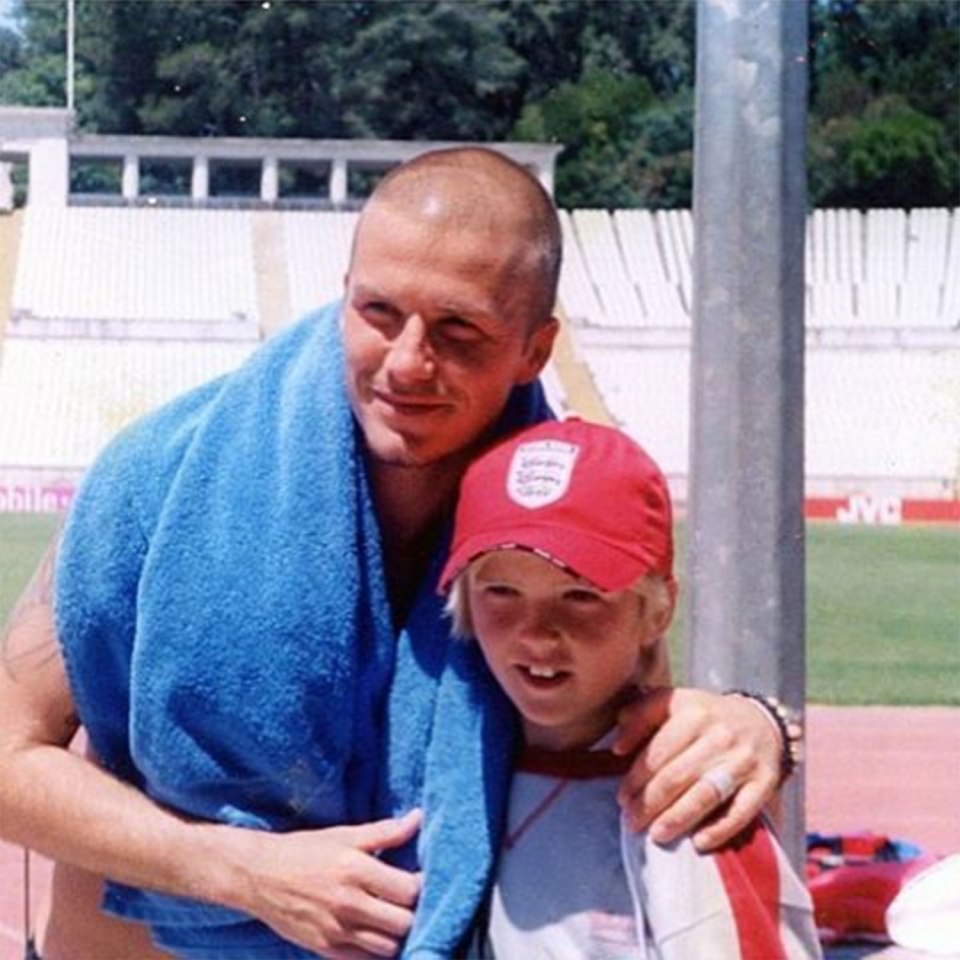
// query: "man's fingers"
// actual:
[[640, 719], [731, 820], [377, 942], [391, 885], [677, 796], [670, 744], [691, 807], [367, 947], [373, 946], [662, 771], [373, 924], [384, 834], [376, 894]]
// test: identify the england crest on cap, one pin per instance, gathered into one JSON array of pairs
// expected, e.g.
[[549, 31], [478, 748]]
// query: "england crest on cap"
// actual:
[[540, 472]]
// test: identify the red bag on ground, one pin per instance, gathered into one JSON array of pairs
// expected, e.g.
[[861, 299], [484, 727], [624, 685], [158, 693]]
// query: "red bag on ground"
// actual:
[[853, 879]]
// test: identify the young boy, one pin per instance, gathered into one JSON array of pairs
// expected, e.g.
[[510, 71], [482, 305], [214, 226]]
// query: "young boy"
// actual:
[[562, 568]]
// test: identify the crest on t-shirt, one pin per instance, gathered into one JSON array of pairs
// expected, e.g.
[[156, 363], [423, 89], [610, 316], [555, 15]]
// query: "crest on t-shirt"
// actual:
[[540, 472]]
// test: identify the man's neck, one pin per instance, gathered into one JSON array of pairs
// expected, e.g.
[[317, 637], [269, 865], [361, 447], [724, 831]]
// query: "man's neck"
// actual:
[[409, 499], [412, 505]]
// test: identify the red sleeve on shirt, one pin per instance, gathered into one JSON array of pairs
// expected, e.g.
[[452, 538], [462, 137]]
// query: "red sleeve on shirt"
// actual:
[[751, 877]]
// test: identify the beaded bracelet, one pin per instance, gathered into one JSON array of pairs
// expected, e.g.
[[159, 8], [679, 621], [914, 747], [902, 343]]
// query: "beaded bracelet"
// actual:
[[786, 721]]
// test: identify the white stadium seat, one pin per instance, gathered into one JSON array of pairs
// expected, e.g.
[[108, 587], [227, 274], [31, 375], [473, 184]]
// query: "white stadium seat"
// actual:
[[620, 306], [831, 305], [646, 391], [869, 414], [890, 413], [927, 245], [675, 228], [663, 306], [130, 264], [62, 400], [920, 303], [886, 249], [876, 303], [950, 306], [660, 298], [577, 293], [637, 233], [318, 254]]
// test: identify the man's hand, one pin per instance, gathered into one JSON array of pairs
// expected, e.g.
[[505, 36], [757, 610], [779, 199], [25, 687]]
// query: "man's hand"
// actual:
[[684, 733], [327, 890]]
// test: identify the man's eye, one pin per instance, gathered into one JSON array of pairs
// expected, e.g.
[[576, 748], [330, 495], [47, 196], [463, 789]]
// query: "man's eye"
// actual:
[[378, 313], [460, 330]]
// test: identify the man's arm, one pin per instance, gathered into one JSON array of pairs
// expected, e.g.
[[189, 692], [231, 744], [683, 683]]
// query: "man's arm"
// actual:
[[323, 889]]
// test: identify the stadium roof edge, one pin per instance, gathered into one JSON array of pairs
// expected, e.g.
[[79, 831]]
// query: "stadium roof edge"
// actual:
[[46, 138]]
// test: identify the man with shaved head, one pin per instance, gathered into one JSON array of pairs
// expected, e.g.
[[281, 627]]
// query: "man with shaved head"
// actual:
[[291, 757]]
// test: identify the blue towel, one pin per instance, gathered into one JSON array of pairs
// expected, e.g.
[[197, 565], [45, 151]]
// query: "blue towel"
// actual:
[[223, 610]]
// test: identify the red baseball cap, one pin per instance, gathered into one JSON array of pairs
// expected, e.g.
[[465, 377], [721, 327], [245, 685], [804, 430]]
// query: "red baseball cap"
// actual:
[[585, 496]]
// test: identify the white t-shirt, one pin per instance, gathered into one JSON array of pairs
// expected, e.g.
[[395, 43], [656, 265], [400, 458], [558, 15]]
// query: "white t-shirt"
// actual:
[[573, 884]]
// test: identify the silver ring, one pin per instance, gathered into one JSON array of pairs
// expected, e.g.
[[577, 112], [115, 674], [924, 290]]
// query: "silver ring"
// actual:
[[722, 781]]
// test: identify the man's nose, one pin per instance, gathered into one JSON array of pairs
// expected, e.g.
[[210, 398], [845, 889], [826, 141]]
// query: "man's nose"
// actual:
[[411, 356]]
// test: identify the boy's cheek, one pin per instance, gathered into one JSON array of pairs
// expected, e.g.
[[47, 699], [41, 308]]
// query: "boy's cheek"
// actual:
[[495, 624]]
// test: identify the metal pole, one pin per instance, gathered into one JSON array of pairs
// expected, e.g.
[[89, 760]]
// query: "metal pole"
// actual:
[[71, 29], [745, 543]]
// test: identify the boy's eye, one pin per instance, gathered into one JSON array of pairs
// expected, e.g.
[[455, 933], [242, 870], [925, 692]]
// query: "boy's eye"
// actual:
[[582, 596], [500, 591]]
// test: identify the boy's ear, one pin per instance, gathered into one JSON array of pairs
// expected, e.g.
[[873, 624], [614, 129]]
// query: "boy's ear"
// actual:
[[656, 670], [663, 617]]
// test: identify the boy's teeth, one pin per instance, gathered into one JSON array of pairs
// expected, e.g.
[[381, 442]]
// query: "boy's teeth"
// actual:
[[545, 672]]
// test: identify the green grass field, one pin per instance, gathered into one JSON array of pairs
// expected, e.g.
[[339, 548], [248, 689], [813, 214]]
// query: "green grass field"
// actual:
[[883, 607], [23, 537], [883, 614]]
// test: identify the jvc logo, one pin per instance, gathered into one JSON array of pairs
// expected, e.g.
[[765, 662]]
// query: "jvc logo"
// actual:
[[866, 508]]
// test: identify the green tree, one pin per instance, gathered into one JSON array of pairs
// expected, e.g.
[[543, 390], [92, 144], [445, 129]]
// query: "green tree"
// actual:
[[612, 81], [895, 156], [11, 52], [885, 105], [264, 69], [626, 116], [36, 76], [435, 69], [546, 35]]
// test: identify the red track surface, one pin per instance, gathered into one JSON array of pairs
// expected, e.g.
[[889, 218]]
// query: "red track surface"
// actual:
[[890, 770], [894, 771]]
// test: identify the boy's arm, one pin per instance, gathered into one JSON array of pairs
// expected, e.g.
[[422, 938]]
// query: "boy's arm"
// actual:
[[324, 889], [684, 733]]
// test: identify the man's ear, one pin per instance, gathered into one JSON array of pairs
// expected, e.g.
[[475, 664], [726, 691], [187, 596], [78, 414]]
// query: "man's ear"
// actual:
[[538, 348]]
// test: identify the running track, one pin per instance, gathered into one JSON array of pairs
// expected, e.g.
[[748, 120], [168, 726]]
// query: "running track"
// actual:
[[894, 771]]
